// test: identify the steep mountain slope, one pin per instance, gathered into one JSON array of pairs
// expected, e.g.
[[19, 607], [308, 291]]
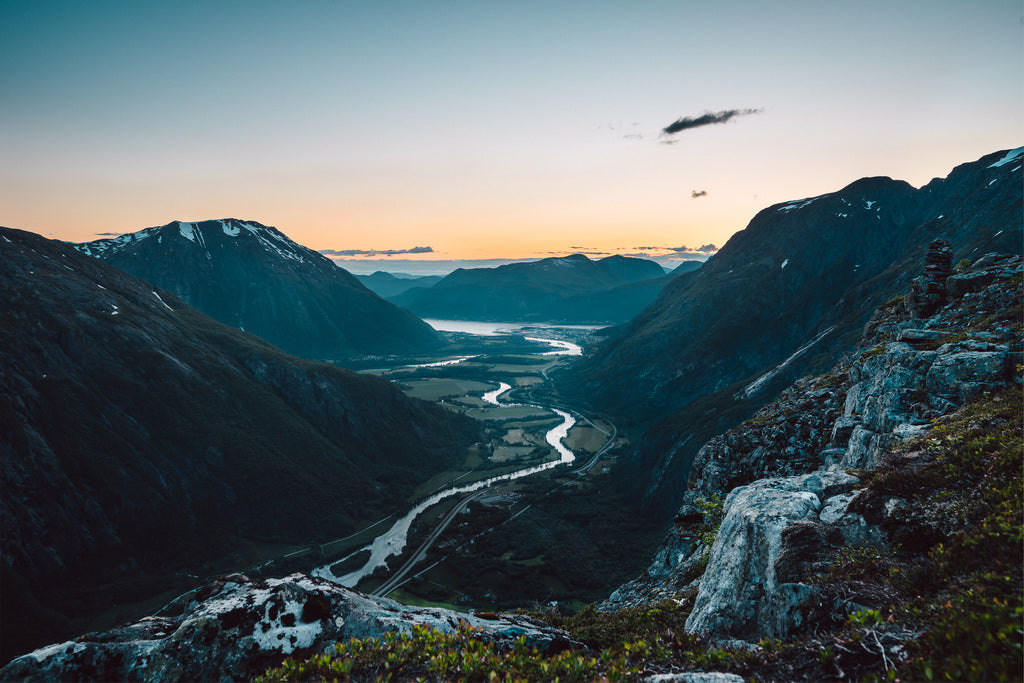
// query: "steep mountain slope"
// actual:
[[776, 539], [140, 438], [547, 290], [388, 284], [253, 277], [785, 296]]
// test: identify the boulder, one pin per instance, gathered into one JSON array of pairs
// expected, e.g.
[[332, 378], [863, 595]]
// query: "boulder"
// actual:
[[236, 628], [963, 375], [975, 281], [742, 594], [694, 677]]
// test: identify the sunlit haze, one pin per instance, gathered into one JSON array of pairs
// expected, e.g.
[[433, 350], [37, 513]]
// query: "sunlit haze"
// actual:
[[487, 130]]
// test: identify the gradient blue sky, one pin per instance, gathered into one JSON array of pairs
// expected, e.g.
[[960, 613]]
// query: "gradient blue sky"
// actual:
[[487, 129]]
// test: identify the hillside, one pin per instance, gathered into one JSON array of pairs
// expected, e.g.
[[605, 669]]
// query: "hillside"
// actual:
[[857, 502], [786, 296], [565, 289], [142, 438], [252, 277]]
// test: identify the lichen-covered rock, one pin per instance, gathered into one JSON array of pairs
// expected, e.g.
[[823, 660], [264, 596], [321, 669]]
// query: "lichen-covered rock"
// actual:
[[694, 677], [236, 628], [742, 594]]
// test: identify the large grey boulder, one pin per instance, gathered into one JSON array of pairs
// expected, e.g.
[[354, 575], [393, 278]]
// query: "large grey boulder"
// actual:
[[741, 595], [235, 628]]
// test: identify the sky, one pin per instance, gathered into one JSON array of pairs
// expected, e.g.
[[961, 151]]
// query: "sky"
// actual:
[[457, 131]]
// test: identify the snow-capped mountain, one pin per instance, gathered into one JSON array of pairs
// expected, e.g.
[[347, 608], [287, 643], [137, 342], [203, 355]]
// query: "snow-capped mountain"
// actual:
[[253, 277]]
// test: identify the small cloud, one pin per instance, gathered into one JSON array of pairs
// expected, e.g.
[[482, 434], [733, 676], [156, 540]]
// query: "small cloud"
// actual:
[[706, 119], [698, 193], [376, 252], [110, 234], [707, 249]]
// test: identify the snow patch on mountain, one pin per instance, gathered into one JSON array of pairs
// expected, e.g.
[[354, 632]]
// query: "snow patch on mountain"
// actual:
[[1010, 156], [799, 203], [229, 229]]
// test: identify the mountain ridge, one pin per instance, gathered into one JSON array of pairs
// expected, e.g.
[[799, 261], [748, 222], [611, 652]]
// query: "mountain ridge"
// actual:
[[141, 437], [804, 274], [562, 289], [253, 277]]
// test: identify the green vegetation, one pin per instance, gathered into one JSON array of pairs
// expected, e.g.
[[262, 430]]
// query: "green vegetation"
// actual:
[[621, 646], [713, 509], [955, 580], [873, 351]]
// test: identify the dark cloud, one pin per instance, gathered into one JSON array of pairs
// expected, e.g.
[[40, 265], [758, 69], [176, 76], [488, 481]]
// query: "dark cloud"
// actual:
[[698, 193], [586, 251], [109, 234], [705, 119], [706, 249], [376, 252]]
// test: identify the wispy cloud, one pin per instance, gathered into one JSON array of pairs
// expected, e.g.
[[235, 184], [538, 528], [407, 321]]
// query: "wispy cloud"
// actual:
[[698, 193], [706, 119], [109, 234], [376, 252]]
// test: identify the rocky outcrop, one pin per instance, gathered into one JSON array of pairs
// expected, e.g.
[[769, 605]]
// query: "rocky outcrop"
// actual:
[[789, 503], [236, 628], [774, 531], [928, 291]]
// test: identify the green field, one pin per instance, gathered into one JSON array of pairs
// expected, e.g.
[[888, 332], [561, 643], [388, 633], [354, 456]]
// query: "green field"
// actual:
[[436, 389]]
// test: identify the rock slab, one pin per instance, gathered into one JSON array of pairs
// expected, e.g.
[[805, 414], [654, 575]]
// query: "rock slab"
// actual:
[[236, 628]]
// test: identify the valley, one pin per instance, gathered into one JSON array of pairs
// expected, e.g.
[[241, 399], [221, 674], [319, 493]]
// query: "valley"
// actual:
[[722, 456], [470, 520]]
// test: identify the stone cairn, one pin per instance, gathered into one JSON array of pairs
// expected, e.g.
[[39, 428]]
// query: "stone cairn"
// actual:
[[928, 291]]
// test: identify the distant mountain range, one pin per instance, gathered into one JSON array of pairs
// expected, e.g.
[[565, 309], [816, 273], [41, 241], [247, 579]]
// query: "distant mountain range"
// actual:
[[392, 284], [139, 437], [253, 277], [783, 297], [564, 289]]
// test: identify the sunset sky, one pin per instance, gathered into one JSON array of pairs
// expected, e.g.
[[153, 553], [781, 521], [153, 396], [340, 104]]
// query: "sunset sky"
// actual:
[[487, 129]]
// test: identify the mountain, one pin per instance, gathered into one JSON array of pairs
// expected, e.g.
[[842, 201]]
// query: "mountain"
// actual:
[[390, 284], [783, 297], [686, 267], [552, 289], [141, 439], [253, 277], [776, 538]]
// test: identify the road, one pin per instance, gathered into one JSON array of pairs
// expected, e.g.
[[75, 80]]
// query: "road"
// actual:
[[398, 578], [421, 552]]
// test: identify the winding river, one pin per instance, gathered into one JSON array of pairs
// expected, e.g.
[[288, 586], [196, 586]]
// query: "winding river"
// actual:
[[393, 541]]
